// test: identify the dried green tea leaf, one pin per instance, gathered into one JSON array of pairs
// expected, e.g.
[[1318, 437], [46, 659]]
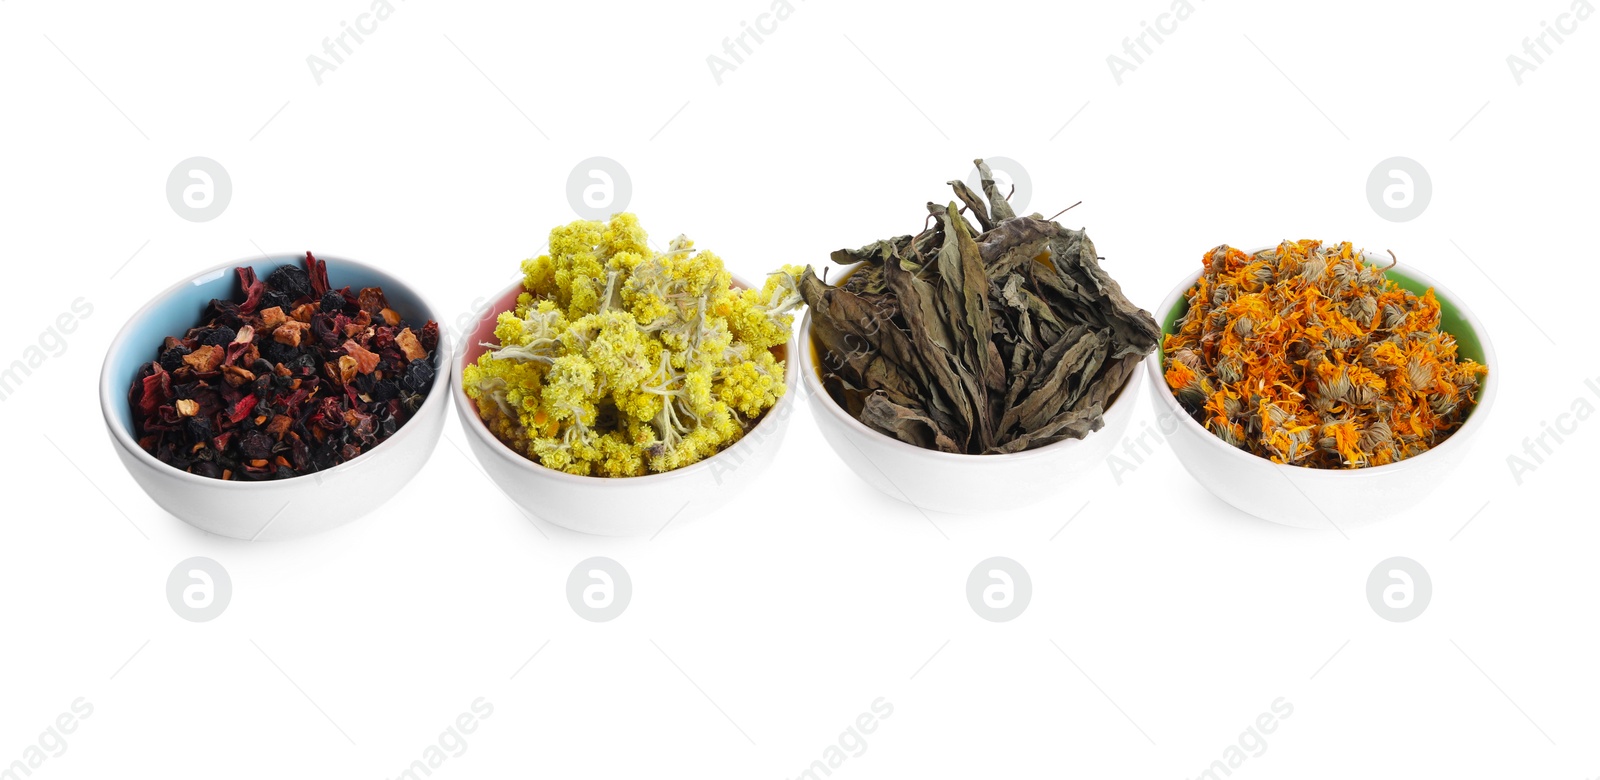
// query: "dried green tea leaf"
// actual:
[[1073, 424], [905, 424], [998, 206], [974, 203], [988, 339]]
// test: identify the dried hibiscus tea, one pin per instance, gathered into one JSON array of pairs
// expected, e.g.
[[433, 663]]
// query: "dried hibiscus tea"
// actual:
[[1305, 355], [293, 378]]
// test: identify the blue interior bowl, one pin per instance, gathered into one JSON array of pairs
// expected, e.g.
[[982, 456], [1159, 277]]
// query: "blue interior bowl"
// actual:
[[275, 508], [174, 312]]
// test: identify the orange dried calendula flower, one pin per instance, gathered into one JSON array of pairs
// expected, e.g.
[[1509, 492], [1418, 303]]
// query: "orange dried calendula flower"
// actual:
[[1305, 355]]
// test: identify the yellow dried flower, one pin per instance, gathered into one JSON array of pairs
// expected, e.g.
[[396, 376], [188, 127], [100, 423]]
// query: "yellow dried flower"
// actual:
[[619, 360]]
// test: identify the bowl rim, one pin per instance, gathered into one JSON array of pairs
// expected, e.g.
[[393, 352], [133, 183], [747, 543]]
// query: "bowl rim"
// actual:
[[473, 421], [110, 395], [1125, 395], [1456, 440]]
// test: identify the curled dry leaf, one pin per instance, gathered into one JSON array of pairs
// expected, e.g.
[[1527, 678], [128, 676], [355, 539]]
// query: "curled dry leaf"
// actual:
[[994, 338]]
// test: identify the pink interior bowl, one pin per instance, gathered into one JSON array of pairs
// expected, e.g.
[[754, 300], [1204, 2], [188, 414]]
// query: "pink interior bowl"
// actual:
[[617, 506]]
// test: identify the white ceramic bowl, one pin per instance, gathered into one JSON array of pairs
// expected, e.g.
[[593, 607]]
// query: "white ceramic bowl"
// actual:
[[1338, 499], [280, 508], [618, 506], [959, 483]]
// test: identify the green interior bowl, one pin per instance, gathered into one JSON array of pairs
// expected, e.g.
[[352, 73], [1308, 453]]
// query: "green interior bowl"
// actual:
[[1451, 320]]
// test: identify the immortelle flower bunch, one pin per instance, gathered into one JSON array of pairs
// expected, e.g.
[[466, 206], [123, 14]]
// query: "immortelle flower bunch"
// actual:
[[619, 360]]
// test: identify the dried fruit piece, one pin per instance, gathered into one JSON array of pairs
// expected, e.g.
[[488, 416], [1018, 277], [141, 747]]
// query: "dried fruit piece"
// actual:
[[365, 360], [272, 318], [349, 368], [290, 332], [205, 359], [410, 345], [236, 376]]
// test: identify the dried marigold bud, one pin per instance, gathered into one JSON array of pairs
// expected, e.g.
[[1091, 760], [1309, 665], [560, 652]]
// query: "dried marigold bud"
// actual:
[[1304, 354]]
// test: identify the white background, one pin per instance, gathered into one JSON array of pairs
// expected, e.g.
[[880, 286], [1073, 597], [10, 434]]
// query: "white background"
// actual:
[[346, 654]]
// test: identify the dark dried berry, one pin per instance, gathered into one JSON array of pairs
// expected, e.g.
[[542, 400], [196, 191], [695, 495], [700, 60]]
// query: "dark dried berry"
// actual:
[[222, 312], [386, 422], [384, 390], [418, 376], [322, 458], [299, 453], [216, 337], [290, 280], [272, 298], [255, 445], [275, 351], [333, 302], [197, 429], [173, 358]]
